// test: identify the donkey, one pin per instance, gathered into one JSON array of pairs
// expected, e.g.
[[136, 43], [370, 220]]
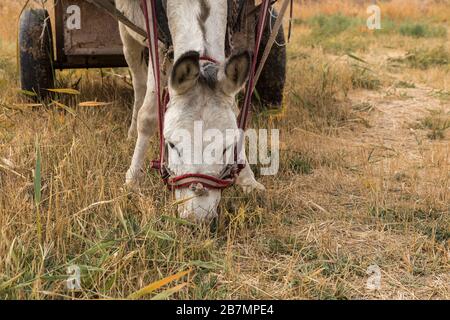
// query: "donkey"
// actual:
[[199, 91]]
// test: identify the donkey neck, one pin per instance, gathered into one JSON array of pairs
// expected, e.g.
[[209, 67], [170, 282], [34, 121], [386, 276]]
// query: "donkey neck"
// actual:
[[198, 25]]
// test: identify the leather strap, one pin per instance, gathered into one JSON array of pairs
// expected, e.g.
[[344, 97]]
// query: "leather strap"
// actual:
[[161, 16]]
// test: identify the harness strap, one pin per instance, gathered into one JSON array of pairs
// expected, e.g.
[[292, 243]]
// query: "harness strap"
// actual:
[[244, 115], [207, 181], [207, 58]]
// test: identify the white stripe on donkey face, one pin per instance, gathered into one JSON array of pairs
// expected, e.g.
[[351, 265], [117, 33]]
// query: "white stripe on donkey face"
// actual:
[[199, 91]]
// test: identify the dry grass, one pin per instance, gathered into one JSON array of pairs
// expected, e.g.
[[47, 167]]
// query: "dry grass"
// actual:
[[360, 184]]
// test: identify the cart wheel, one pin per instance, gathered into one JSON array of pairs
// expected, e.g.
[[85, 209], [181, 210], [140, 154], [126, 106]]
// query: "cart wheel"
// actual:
[[36, 51], [270, 86]]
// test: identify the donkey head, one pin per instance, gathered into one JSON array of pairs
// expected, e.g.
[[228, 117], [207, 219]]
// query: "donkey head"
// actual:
[[199, 115]]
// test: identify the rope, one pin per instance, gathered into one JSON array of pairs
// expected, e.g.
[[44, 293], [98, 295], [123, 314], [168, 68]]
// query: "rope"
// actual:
[[111, 9]]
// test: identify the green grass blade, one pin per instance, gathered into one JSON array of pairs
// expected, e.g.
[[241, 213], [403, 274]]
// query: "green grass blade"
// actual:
[[37, 189]]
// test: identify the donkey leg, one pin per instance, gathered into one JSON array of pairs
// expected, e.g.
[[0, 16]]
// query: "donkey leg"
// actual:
[[135, 56], [146, 124], [247, 181]]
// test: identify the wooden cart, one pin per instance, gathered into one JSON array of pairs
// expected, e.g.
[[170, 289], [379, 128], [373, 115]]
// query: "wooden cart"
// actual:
[[91, 42]]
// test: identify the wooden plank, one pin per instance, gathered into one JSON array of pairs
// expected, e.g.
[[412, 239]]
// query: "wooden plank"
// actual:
[[99, 33]]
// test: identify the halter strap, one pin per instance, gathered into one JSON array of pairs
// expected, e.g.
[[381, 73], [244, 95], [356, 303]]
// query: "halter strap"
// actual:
[[207, 181]]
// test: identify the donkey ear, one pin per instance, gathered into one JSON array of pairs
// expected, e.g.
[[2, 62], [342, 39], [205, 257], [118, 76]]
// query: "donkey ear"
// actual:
[[185, 72], [236, 72]]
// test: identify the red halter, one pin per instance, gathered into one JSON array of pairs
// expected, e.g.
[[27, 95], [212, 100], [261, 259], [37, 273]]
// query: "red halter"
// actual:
[[230, 173]]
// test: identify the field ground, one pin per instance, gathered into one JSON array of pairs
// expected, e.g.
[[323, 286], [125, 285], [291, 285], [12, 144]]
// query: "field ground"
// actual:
[[364, 179]]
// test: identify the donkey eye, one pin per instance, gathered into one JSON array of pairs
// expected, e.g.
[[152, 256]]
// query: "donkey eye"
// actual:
[[173, 147]]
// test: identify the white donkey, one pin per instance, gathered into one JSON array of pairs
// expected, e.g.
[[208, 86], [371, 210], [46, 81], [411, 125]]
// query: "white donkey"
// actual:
[[199, 91]]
